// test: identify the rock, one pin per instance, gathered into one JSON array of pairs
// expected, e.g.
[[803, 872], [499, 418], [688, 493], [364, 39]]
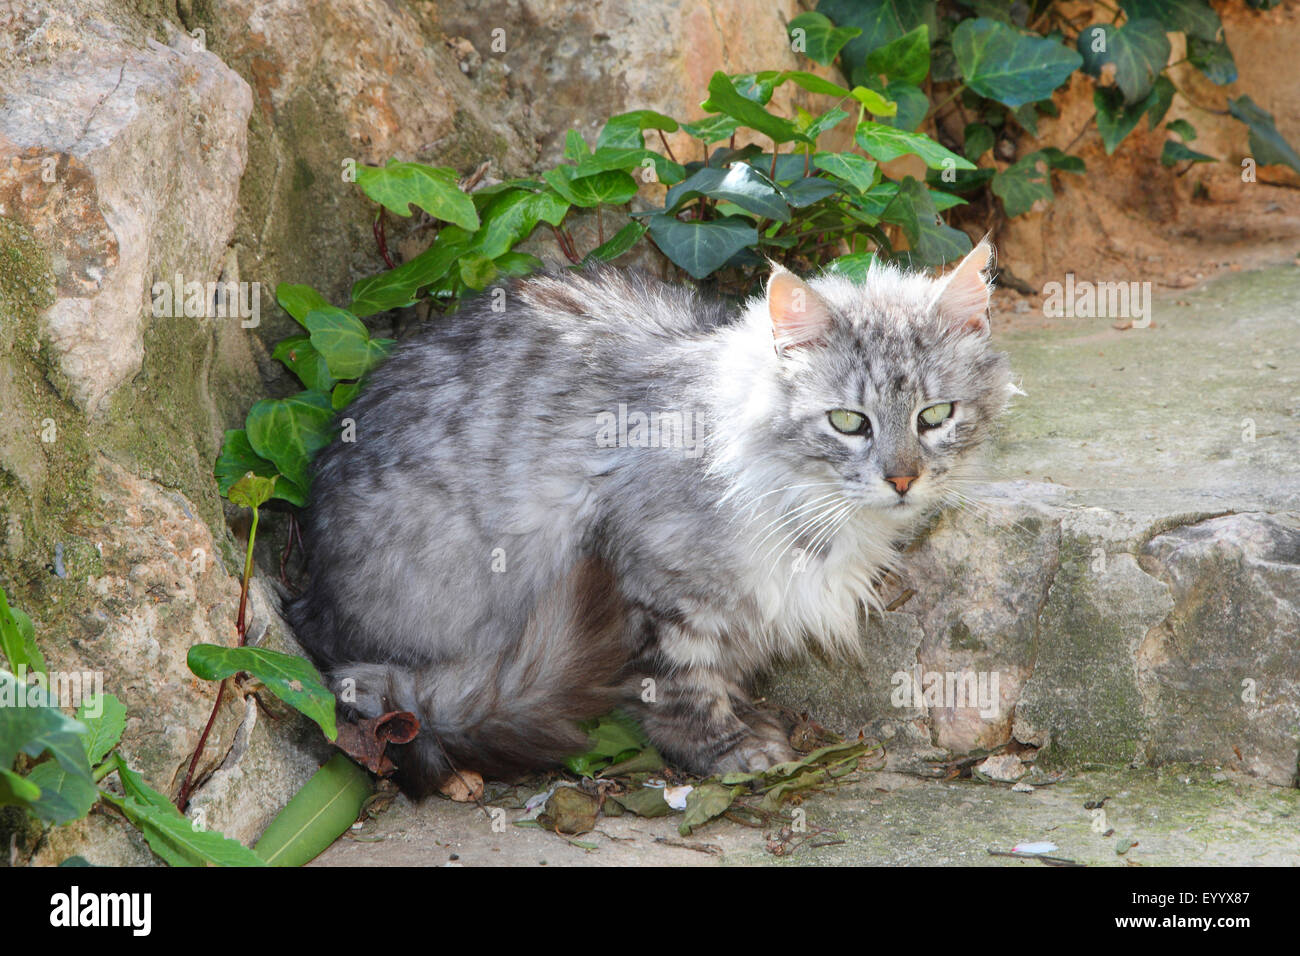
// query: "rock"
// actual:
[[464, 786], [124, 159], [1006, 768]]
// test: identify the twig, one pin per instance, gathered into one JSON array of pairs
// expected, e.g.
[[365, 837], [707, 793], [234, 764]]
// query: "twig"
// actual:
[[381, 239], [183, 800]]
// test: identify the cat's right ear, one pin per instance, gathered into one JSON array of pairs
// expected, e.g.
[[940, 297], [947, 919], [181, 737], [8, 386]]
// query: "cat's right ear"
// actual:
[[799, 316]]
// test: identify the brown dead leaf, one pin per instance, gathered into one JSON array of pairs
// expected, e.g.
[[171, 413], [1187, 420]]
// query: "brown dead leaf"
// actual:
[[366, 740]]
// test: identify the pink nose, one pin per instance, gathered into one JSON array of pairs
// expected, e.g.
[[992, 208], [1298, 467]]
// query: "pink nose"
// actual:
[[902, 482]]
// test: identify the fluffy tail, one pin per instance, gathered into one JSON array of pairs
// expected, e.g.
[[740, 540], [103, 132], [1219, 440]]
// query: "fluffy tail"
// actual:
[[516, 712]]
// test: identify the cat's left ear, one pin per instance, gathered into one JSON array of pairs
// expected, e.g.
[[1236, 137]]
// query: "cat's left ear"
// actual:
[[799, 316], [963, 298]]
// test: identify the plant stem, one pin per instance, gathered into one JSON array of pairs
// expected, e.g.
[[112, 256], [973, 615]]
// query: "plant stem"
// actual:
[[961, 88], [381, 239], [241, 625], [668, 149], [184, 798]]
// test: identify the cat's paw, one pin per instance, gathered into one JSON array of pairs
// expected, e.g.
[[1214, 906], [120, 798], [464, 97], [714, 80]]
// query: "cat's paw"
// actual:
[[754, 754]]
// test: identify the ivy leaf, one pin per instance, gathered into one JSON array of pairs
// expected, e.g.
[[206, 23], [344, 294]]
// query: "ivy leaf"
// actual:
[[298, 300], [999, 62], [344, 342], [38, 727], [625, 130], [1175, 152], [1193, 17], [104, 730], [1183, 129], [1212, 58], [18, 642], [16, 790], [853, 169], [289, 431], [1157, 104], [238, 459], [855, 265], [742, 184], [874, 101], [933, 242], [1115, 118], [477, 271], [290, 678], [399, 287], [808, 190], [905, 59], [1138, 51], [724, 98], [820, 39], [818, 125], [881, 21], [65, 796], [300, 357], [399, 185], [1028, 181], [621, 242], [342, 395], [252, 491], [701, 247], [712, 129], [511, 218], [1266, 144], [885, 143], [704, 803], [977, 140], [613, 187], [575, 147], [910, 106]]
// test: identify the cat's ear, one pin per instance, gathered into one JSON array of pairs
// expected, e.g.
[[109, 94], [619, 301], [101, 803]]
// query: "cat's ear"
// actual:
[[799, 316], [963, 298]]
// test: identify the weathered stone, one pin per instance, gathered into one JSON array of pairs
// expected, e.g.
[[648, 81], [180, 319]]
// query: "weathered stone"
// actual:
[[1221, 674]]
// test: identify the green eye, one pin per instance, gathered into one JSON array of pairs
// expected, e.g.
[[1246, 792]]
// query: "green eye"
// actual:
[[936, 415], [847, 422]]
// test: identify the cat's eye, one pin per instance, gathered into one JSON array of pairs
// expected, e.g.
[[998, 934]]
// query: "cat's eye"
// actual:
[[848, 422], [935, 415]]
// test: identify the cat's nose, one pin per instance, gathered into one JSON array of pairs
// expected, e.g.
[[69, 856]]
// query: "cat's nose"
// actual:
[[901, 482]]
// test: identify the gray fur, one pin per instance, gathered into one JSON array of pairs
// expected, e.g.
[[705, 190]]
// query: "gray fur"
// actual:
[[478, 557]]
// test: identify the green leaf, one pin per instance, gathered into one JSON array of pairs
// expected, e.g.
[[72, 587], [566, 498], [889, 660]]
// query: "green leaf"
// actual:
[[1175, 152], [874, 101], [319, 814], [625, 129], [1214, 59], [1193, 17], [399, 185], [999, 62], [1157, 104], [621, 242], [1029, 179], [575, 147], [298, 300], [301, 358], [1115, 118], [399, 287], [613, 187], [1138, 50], [64, 796], [1183, 129], [820, 39], [724, 98], [238, 459], [477, 271], [932, 241], [289, 431], [905, 59], [910, 106], [343, 394], [815, 126], [711, 129], [344, 342], [853, 169], [880, 21], [252, 491], [855, 265], [704, 803], [701, 247], [291, 678], [18, 640], [104, 730], [610, 738], [977, 140], [808, 190], [742, 184], [30, 724], [16, 790], [644, 802], [885, 143], [511, 218]]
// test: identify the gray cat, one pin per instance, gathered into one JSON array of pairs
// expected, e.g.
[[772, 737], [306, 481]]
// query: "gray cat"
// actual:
[[616, 493]]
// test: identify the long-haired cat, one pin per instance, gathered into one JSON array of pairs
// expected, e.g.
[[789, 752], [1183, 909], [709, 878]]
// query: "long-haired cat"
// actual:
[[615, 493]]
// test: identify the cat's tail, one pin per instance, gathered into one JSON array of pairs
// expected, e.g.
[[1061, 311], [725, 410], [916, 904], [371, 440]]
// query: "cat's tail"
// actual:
[[517, 711]]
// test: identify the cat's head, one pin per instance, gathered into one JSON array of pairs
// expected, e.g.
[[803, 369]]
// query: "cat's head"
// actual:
[[886, 386]]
